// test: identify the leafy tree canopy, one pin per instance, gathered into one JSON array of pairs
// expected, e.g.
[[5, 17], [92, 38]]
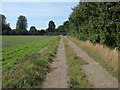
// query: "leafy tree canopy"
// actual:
[[51, 26], [21, 23], [98, 22]]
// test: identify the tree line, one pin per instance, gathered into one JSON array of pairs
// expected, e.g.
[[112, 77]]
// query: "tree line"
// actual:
[[21, 27], [98, 22]]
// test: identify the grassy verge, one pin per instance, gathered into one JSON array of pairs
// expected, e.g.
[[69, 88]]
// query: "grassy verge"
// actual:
[[98, 54], [30, 71], [76, 75]]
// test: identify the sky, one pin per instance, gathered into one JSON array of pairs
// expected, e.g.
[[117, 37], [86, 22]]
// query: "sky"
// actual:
[[38, 14]]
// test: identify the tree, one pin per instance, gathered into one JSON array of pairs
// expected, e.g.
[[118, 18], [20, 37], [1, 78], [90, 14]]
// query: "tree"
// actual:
[[21, 23], [51, 26], [98, 22], [2, 19], [66, 26], [42, 31], [61, 28], [4, 26], [13, 32], [33, 30]]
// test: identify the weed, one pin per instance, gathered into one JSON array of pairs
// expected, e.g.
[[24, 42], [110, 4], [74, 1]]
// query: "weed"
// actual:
[[76, 75]]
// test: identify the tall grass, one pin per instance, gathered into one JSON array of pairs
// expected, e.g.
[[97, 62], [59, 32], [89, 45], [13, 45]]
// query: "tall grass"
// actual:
[[108, 54], [107, 57]]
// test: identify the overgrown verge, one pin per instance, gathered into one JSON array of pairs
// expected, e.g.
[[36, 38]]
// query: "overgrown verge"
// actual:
[[77, 77], [107, 57], [30, 71]]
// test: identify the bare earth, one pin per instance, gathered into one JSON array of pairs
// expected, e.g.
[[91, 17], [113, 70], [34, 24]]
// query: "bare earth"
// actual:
[[57, 77], [96, 75]]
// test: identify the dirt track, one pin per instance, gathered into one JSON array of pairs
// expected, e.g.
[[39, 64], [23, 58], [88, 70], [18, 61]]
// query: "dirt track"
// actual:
[[57, 78], [97, 75]]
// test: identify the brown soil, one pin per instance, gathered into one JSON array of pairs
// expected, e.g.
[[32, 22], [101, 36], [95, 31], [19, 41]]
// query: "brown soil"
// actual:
[[57, 77]]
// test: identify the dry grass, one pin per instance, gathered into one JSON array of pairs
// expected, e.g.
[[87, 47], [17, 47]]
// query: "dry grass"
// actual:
[[110, 56], [103, 51]]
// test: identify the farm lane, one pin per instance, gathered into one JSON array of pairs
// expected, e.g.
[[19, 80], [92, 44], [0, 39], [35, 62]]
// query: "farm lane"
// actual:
[[97, 75], [57, 77]]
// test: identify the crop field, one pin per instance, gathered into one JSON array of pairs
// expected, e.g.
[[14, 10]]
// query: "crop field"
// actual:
[[25, 59], [8, 41]]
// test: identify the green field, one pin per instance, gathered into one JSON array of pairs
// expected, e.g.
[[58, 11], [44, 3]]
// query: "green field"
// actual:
[[8, 41], [25, 59]]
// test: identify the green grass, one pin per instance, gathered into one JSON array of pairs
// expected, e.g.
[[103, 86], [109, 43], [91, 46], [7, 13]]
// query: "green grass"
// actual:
[[13, 54], [98, 58], [26, 65], [8, 41], [76, 75]]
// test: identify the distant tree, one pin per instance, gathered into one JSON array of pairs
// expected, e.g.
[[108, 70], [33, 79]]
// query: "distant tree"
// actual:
[[22, 32], [33, 30], [51, 26], [21, 25], [66, 26], [13, 32], [4, 26], [42, 31], [7, 27], [61, 28], [2, 19]]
